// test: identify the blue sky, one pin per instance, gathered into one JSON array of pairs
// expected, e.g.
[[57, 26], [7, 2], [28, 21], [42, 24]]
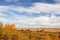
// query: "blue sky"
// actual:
[[31, 13], [24, 2]]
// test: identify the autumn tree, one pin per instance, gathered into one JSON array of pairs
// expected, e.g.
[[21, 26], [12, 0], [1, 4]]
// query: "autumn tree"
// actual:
[[10, 30]]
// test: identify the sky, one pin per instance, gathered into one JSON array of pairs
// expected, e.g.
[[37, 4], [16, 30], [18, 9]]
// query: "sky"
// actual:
[[30, 13]]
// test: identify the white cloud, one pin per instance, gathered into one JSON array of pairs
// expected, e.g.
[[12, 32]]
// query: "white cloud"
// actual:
[[4, 20], [37, 8], [3, 8], [42, 21], [1, 14], [40, 7]]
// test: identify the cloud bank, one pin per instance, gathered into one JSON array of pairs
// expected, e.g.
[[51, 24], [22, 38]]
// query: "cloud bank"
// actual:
[[47, 15]]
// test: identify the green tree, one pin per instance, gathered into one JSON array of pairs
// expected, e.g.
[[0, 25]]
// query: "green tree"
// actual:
[[1, 25]]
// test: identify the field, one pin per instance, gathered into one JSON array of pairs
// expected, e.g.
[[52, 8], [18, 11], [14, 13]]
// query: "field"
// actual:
[[9, 32]]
